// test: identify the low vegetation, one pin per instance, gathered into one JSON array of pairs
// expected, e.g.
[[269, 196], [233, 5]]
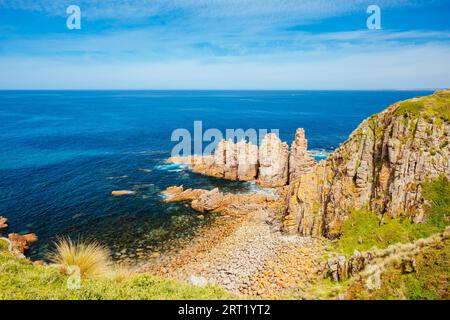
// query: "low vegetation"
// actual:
[[436, 106], [22, 279], [366, 230], [430, 281], [91, 258]]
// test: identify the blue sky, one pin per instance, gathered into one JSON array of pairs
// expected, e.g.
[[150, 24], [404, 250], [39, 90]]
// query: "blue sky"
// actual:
[[224, 44]]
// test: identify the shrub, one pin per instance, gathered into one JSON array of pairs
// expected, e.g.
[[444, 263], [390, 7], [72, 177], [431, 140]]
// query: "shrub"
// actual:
[[90, 257]]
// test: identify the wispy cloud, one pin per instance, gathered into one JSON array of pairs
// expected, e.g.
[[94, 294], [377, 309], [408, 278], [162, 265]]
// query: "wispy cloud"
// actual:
[[272, 9], [220, 44]]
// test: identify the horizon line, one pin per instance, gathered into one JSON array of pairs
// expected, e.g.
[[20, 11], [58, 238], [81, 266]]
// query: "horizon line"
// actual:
[[256, 89]]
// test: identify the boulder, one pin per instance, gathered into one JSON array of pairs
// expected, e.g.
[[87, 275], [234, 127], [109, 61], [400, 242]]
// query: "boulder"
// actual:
[[208, 201], [3, 223], [119, 193], [178, 193], [21, 243]]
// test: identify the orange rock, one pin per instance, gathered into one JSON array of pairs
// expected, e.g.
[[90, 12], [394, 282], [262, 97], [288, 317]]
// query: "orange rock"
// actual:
[[118, 193], [3, 223], [20, 243]]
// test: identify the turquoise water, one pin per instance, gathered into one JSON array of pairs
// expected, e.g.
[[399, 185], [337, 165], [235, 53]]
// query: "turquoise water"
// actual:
[[63, 152]]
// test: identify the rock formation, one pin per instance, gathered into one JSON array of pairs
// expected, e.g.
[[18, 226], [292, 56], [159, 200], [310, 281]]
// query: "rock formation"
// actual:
[[21, 243], [214, 200], [120, 193], [3, 223], [300, 161], [178, 193], [247, 159], [208, 201], [382, 165], [244, 162], [273, 162]]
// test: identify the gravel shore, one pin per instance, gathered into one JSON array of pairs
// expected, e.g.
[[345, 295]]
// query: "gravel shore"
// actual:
[[245, 255]]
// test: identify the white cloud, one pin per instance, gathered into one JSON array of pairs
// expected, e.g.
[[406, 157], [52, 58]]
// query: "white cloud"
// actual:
[[388, 68]]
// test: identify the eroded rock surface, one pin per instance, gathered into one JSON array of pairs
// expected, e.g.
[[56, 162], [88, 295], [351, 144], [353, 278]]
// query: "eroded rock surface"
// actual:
[[382, 165], [300, 161], [273, 162], [21, 243]]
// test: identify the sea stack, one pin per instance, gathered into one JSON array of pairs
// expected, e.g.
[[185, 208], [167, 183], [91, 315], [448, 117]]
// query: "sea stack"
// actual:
[[273, 162], [300, 161]]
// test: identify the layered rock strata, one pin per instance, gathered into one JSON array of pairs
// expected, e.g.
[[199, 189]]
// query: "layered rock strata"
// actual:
[[382, 165]]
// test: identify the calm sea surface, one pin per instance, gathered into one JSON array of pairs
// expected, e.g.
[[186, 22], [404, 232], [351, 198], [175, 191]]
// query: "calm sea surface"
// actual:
[[63, 152]]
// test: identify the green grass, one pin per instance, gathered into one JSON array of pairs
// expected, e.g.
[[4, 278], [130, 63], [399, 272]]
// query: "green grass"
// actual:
[[429, 282], [3, 245], [434, 106], [21, 279], [364, 231]]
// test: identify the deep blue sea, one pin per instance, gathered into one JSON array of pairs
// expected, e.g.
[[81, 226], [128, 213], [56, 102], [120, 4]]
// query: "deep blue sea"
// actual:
[[63, 152]]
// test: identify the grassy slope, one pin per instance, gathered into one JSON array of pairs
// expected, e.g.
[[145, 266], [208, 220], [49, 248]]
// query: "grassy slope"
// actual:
[[363, 231], [429, 282], [21, 279]]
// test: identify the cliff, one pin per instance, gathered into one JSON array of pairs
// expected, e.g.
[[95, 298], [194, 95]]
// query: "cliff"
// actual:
[[382, 165]]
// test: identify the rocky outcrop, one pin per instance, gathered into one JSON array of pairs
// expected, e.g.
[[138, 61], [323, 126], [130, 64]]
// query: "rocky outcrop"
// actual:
[[300, 161], [382, 165], [208, 201], [3, 224], [21, 243], [178, 194], [247, 160], [273, 162], [268, 165], [215, 200]]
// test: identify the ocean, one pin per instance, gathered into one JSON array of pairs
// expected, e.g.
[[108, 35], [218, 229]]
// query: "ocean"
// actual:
[[63, 152]]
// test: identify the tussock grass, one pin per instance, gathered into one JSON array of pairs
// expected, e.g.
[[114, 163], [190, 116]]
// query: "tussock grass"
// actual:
[[90, 257], [21, 279]]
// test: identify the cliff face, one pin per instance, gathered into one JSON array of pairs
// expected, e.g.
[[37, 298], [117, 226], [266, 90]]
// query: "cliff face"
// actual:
[[381, 165]]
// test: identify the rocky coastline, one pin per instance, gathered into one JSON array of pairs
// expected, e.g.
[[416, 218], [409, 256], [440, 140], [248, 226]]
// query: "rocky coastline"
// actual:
[[279, 242], [270, 245]]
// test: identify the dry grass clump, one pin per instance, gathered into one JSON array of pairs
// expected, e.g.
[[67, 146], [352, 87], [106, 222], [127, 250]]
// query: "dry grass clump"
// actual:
[[90, 257], [120, 272]]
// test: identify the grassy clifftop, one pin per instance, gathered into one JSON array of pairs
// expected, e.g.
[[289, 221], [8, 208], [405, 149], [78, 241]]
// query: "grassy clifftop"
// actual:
[[436, 105]]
